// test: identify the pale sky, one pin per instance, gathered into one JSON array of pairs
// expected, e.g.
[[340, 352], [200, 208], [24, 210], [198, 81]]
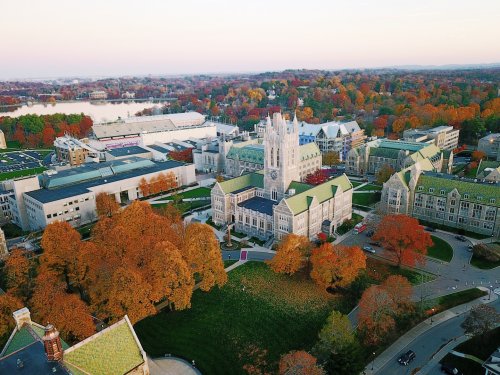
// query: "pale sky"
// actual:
[[57, 38]]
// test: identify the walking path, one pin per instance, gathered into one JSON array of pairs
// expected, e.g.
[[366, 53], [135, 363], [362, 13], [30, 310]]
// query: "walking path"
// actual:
[[171, 366], [422, 328]]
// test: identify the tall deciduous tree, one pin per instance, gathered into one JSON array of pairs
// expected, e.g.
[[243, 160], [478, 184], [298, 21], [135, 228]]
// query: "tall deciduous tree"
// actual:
[[60, 243], [375, 317], [169, 276], [331, 158], [106, 205], [202, 253], [384, 173], [67, 312], [336, 266], [481, 320], [291, 254], [299, 363], [19, 274], [404, 238], [336, 334], [8, 304]]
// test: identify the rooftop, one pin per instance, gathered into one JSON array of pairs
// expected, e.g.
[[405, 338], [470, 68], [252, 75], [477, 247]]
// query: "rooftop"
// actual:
[[124, 151], [71, 183], [259, 204]]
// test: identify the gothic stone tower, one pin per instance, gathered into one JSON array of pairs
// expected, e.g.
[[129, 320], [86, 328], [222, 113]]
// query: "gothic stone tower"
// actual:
[[281, 156]]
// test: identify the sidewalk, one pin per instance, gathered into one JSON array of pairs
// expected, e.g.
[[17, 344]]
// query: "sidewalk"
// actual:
[[423, 327]]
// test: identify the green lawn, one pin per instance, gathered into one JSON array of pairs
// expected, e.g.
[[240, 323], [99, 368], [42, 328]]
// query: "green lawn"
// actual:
[[471, 173], [378, 270], [201, 192], [441, 249], [454, 299], [185, 206], [355, 183], [483, 263], [227, 328], [365, 199], [478, 346], [370, 187], [27, 172]]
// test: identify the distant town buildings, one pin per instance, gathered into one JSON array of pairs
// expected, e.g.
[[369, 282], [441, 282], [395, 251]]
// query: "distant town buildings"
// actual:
[[333, 136], [98, 95], [490, 145], [372, 156], [36, 349], [273, 202], [444, 137], [452, 201]]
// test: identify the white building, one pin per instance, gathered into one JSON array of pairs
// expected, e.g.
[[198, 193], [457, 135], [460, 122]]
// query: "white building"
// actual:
[[444, 137], [147, 130], [69, 195]]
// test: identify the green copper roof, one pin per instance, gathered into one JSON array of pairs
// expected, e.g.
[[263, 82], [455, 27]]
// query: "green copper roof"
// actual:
[[113, 351], [299, 187], [300, 202], [25, 336], [250, 179], [384, 152], [249, 153], [401, 145], [477, 192]]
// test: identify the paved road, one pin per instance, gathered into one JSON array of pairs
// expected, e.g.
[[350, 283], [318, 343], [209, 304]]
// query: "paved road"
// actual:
[[428, 344]]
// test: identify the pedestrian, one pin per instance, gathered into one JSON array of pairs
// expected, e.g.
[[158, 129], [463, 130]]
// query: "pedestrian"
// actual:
[[194, 365], [229, 256]]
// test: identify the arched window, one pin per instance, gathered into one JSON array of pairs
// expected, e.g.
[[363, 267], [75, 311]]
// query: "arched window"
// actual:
[[272, 157], [278, 157]]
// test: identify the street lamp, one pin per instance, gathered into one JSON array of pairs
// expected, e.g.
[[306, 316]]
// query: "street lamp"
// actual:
[[373, 361], [489, 294], [432, 313]]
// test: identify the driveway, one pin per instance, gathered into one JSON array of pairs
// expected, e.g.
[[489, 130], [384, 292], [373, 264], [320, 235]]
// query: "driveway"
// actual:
[[427, 344]]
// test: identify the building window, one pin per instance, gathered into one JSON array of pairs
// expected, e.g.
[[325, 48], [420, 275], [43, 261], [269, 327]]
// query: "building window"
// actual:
[[420, 188], [466, 196], [492, 200], [443, 192], [431, 190]]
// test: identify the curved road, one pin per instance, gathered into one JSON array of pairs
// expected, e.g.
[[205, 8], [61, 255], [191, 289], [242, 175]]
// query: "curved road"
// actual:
[[428, 344]]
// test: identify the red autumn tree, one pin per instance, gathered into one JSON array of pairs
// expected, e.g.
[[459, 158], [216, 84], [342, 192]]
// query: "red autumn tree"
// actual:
[[300, 363], [317, 178], [291, 254], [336, 266], [404, 238], [18, 273], [48, 135], [185, 155]]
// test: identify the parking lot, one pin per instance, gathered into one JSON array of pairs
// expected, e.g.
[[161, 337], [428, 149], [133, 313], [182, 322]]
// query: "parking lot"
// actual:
[[19, 161]]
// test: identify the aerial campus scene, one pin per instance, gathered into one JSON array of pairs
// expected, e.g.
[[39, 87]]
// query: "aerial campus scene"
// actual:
[[235, 187]]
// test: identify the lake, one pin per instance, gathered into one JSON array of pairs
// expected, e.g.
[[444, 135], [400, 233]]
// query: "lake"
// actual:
[[99, 111]]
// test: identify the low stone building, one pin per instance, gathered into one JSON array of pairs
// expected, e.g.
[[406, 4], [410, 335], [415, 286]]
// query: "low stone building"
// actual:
[[468, 204]]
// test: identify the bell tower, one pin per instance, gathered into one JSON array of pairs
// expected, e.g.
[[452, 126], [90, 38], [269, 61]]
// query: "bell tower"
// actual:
[[281, 156]]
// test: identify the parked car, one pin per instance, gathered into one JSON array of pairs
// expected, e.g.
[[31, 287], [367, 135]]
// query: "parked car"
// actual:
[[377, 243], [370, 233], [369, 249], [430, 229], [470, 247], [461, 238], [449, 369], [406, 358]]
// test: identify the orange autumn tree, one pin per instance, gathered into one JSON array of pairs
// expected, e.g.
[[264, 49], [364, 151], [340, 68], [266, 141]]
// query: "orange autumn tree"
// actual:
[[404, 238], [18, 272], [291, 254], [202, 253], [8, 304], [169, 276], [336, 266], [106, 205], [67, 312], [60, 244], [380, 305], [300, 363]]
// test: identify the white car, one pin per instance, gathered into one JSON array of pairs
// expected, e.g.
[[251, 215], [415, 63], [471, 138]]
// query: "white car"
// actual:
[[369, 249]]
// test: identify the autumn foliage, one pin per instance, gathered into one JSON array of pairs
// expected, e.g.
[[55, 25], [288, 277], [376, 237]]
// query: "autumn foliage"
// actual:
[[336, 266], [158, 184], [404, 238], [291, 254], [300, 363], [381, 305], [317, 178], [135, 259]]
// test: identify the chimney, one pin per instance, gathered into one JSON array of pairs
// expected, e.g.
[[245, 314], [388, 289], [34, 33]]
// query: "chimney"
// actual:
[[22, 316], [52, 343]]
